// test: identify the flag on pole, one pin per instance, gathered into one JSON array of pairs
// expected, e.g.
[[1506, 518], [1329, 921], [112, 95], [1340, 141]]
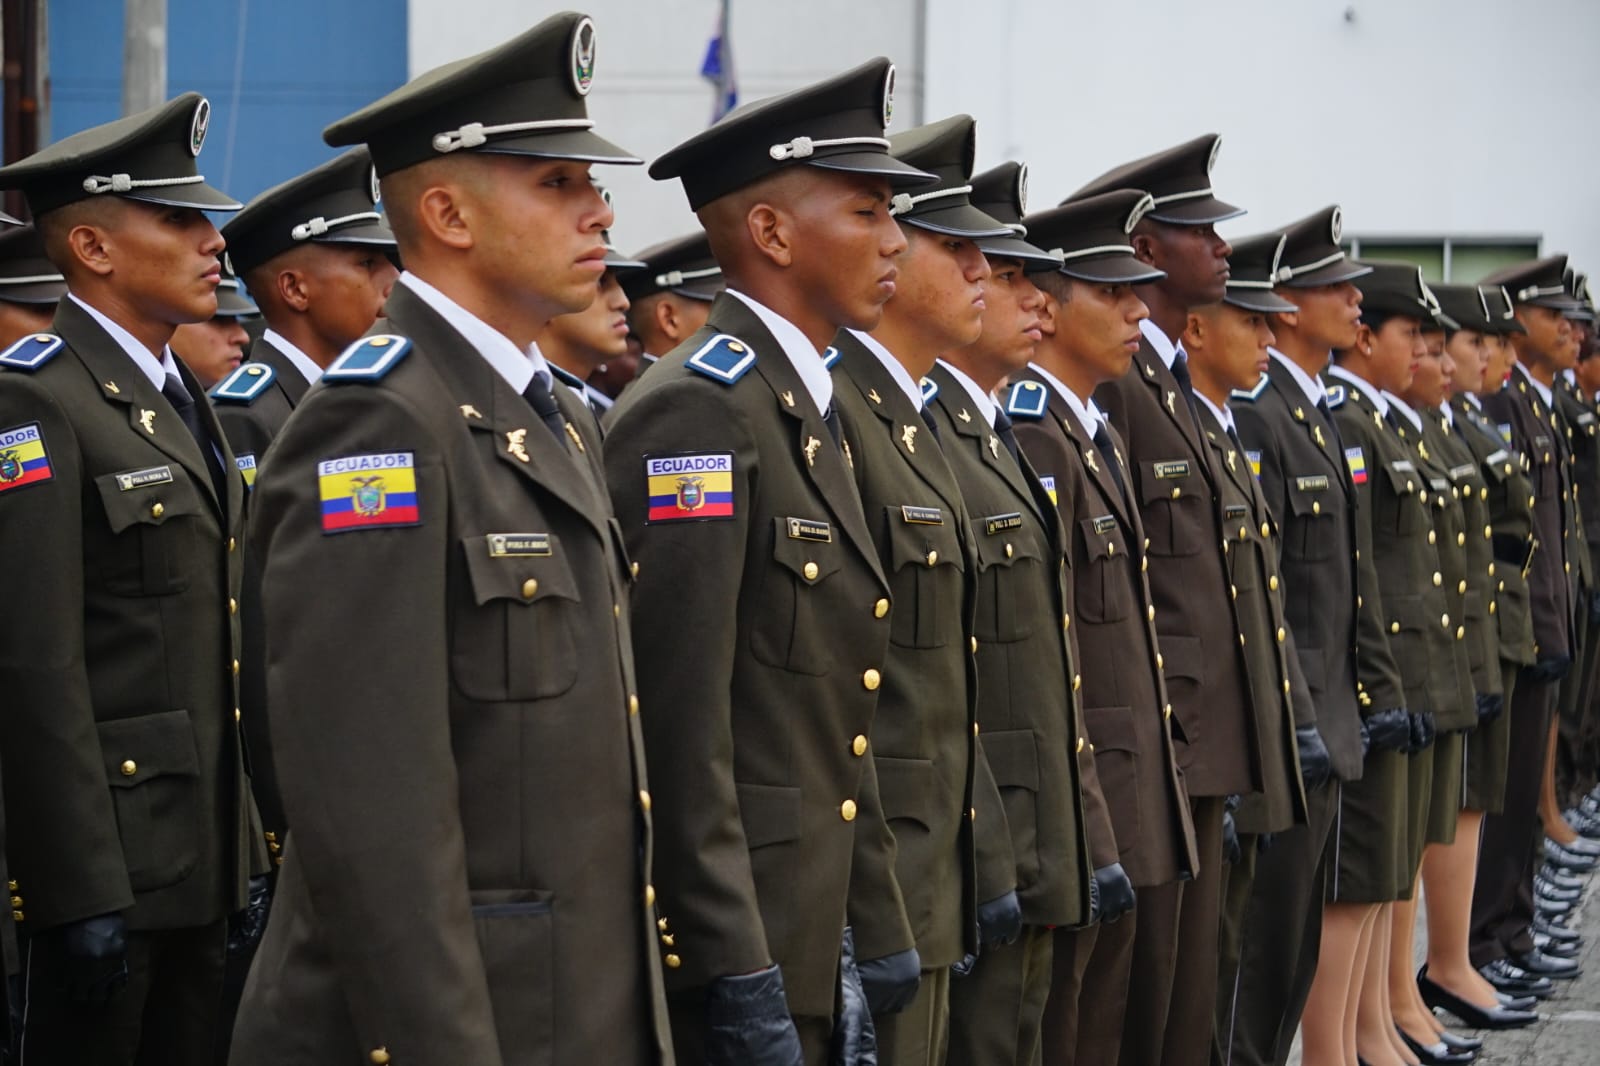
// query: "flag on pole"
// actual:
[[717, 67]]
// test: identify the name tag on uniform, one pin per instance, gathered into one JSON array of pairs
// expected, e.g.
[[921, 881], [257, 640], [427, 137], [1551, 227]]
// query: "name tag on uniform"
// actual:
[[1104, 524], [1235, 511], [809, 529], [1541, 442], [1403, 466], [1496, 458], [922, 516], [517, 545], [999, 523], [138, 479], [1586, 419], [1315, 483], [1171, 469], [1048, 481], [1464, 470]]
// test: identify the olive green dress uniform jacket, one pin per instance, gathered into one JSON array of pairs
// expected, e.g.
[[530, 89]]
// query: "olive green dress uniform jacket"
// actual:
[[1534, 432], [251, 426], [453, 704], [119, 730], [1250, 538], [1305, 478], [1174, 490], [1579, 425], [761, 645], [1471, 549], [923, 733], [1027, 707], [1126, 715]]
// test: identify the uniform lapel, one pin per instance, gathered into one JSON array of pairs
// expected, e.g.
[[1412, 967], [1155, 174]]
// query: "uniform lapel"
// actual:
[[1156, 377], [1089, 456], [975, 435], [1311, 421]]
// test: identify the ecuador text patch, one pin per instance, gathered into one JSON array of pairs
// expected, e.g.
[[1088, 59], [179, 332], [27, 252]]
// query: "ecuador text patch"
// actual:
[[23, 460], [368, 491], [689, 487]]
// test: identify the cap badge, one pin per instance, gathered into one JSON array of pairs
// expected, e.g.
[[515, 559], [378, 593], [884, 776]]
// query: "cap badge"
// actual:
[[197, 126], [1140, 209], [583, 56], [372, 185], [1336, 225], [227, 265], [1211, 160], [1022, 189], [888, 96]]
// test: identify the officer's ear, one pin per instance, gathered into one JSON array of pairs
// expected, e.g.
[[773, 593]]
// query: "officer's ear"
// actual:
[[770, 232], [290, 285], [1049, 313], [1146, 245], [1195, 334], [81, 237]]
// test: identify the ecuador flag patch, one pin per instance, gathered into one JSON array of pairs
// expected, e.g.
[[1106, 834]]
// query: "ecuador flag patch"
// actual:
[[23, 460], [689, 487], [368, 492], [1358, 465]]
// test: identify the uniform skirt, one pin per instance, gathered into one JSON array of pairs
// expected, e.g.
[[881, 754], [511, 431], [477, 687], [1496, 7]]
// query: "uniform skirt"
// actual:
[[1370, 828], [1486, 752], [1449, 773], [1419, 800]]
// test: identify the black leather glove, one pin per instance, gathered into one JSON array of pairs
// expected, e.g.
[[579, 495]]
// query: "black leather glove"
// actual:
[[1316, 765], [962, 967], [1388, 730], [246, 926], [1232, 852], [891, 982], [748, 1023], [1422, 731], [855, 1039], [1115, 893], [1000, 920], [1489, 707], [94, 952], [1550, 670]]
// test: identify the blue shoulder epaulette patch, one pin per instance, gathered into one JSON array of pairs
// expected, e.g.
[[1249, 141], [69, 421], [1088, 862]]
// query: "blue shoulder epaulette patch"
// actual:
[[368, 359], [32, 351], [723, 358], [244, 385], [1252, 395], [830, 356], [1336, 396], [1027, 399], [930, 389], [567, 378]]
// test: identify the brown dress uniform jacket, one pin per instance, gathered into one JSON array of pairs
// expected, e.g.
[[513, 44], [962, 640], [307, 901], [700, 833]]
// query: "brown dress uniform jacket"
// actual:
[[119, 733], [1027, 707], [1581, 426], [455, 713], [1174, 490], [761, 644], [1474, 540], [1304, 476], [924, 731], [1510, 522], [1250, 535], [1126, 714]]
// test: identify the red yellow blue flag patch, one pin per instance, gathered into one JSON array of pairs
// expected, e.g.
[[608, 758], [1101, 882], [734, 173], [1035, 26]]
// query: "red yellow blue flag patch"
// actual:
[[1048, 483], [689, 487], [23, 460], [1358, 465], [368, 492]]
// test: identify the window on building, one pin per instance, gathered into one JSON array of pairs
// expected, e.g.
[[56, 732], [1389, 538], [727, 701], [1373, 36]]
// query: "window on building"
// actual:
[[1458, 259]]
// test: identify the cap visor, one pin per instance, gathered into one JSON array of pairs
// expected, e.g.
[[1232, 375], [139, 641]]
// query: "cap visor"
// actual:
[[621, 264], [1010, 247], [1116, 269], [582, 145], [1262, 300], [33, 292], [362, 233], [957, 220], [1344, 270], [1196, 212], [231, 305], [198, 195], [8, 219], [881, 164]]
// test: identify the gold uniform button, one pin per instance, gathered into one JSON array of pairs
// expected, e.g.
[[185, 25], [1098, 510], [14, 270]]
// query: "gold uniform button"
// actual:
[[1111, 548], [933, 557], [1010, 551], [1461, 632], [644, 800], [871, 680], [236, 668], [157, 510], [1272, 582], [1491, 607], [1316, 506], [1286, 686], [232, 544], [233, 605], [129, 768], [974, 644], [1077, 682], [1394, 627], [972, 814], [649, 895], [1161, 664], [880, 608], [1233, 592], [16, 916], [1150, 613], [1166, 712], [1438, 579], [1266, 530], [1241, 640], [1176, 493], [1066, 621], [672, 961], [1433, 538], [1243, 532], [847, 810], [529, 587], [859, 745], [1079, 749], [668, 939], [616, 610], [1444, 620], [1461, 540], [379, 1056], [633, 704], [634, 569], [1281, 635], [1461, 588], [661, 924], [1411, 486], [811, 571], [1491, 570], [975, 729]]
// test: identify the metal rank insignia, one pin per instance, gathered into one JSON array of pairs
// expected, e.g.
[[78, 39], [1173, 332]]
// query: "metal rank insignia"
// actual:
[[787, 397], [111, 387], [1088, 459], [962, 414], [1172, 403], [1316, 433], [572, 431], [469, 411], [1422, 449], [872, 394], [994, 446], [515, 444], [1233, 460], [147, 419], [812, 444], [908, 437]]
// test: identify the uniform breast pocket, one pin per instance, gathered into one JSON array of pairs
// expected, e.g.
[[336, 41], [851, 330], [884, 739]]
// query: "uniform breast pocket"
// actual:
[[1310, 524], [157, 518], [1012, 581], [513, 637], [1175, 503], [516, 937], [154, 772], [1104, 584], [1405, 508], [790, 630], [925, 573], [1116, 762]]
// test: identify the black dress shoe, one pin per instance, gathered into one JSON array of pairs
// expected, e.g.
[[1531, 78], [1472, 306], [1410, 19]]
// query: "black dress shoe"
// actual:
[[1555, 893], [1551, 908], [1563, 859], [1507, 977], [1435, 1054], [1437, 997], [1555, 930], [1559, 879], [1589, 849], [1461, 1043], [1537, 962], [1561, 949], [1586, 824]]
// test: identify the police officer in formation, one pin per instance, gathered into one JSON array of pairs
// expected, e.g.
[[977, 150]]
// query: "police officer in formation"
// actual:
[[978, 637]]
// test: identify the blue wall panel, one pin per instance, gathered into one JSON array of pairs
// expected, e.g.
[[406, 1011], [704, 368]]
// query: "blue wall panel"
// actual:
[[276, 72]]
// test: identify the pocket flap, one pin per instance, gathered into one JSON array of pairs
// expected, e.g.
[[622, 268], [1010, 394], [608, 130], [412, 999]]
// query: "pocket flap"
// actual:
[[923, 536], [522, 567], [770, 813], [510, 902], [1013, 758], [135, 750], [906, 786], [808, 548], [1183, 657], [148, 496], [1169, 479], [1102, 537], [1111, 729]]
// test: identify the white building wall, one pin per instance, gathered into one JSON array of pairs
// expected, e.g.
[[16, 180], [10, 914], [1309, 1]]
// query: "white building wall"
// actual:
[[1460, 118]]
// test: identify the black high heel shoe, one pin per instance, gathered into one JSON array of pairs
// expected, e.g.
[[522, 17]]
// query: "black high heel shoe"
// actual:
[[1435, 1054], [1460, 1043], [1438, 997]]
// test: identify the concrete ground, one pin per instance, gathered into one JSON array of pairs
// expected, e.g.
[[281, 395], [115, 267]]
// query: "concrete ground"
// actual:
[[1568, 1030]]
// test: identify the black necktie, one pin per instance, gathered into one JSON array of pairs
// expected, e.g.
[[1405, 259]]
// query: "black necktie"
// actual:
[[1233, 435], [1008, 436], [183, 403], [1108, 455], [830, 418], [1333, 427], [544, 405], [1180, 370], [927, 420]]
